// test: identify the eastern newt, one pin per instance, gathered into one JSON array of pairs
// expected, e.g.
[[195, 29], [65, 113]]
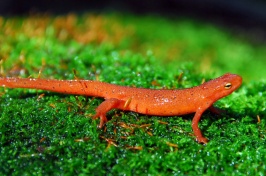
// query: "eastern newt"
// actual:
[[163, 102]]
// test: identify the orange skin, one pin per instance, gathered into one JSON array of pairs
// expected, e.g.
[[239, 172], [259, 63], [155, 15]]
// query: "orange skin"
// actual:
[[165, 102]]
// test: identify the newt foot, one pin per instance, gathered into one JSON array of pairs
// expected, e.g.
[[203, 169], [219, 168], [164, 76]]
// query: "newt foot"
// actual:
[[202, 140]]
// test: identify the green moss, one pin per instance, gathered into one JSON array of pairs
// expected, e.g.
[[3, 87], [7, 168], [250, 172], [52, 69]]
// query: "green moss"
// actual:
[[53, 134]]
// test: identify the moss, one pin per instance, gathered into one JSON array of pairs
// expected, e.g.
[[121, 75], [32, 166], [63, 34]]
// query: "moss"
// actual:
[[45, 133]]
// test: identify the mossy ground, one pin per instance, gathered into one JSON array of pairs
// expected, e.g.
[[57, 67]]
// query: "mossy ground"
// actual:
[[45, 133]]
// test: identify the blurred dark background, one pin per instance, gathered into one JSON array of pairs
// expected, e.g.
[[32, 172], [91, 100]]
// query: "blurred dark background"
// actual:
[[245, 16]]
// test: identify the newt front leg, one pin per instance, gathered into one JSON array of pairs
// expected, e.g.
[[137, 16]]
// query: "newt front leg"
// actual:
[[195, 126]]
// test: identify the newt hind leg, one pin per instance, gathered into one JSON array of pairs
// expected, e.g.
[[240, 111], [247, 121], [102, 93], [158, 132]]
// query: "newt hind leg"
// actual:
[[106, 106]]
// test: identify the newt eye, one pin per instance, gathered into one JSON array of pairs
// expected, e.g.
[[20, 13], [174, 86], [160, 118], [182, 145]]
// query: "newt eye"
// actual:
[[227, 85]]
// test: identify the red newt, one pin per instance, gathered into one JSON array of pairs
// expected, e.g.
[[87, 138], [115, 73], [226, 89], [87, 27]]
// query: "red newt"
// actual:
[[163, 102]]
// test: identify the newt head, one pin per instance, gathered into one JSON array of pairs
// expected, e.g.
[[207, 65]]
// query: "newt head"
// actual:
[[223, 85]]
